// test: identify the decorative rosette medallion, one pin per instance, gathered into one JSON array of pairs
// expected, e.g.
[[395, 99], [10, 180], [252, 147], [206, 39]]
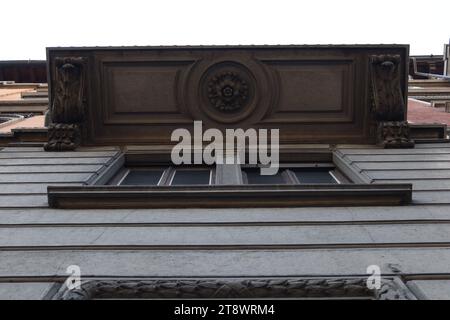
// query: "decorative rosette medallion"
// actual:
[[228, 91]]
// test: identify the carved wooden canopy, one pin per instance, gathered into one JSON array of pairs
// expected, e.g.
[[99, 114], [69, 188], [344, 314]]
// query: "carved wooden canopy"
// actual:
[[313, 94]]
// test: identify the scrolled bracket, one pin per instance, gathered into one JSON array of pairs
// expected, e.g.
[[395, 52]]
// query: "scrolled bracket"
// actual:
[[388, 105], [67, 111]]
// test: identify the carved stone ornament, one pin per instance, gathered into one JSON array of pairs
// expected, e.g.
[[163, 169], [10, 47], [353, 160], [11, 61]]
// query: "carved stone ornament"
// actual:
[[394, 134], [67, 110], [388, 102], [237, 288], [228, 91], [63, 137]]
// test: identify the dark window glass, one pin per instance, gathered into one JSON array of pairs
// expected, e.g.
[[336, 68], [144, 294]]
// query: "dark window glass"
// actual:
[[254, 177], [143, 177], [191, 177], [315, 175]]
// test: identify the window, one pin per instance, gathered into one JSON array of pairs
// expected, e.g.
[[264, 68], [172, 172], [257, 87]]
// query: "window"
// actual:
[[163, 176], [143, 181], [308, 176], [191, 175], [254, 176], [142, 177], [296, 174]]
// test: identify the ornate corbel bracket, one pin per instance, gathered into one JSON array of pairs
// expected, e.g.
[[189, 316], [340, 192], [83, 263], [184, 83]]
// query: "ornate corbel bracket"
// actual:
[[68, 104], [388, 105], [394, 134], [63, 137]]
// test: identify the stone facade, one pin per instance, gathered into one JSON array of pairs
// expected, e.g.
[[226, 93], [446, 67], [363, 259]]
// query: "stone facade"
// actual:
[[40, 242]]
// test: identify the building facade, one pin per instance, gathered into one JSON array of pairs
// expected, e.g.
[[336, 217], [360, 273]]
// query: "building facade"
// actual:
[[359, 193]]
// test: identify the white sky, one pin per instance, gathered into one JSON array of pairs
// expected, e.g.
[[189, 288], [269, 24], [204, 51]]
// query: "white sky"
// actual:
[[28, 26]]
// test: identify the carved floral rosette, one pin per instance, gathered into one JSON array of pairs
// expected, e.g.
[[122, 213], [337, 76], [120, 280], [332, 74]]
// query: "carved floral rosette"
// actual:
[[228, 92]]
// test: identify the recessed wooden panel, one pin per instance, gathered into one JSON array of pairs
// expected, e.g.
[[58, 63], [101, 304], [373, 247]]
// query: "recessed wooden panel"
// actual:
[[311, 88], [312, 94], [141, 92], [142, 88], [312, 91]]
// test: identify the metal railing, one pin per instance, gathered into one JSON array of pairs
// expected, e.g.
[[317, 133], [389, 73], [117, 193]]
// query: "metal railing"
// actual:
[[428, 75]]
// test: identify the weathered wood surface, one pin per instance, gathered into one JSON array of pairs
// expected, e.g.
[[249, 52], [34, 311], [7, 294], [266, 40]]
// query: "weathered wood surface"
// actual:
[[432, 197], [53, 161], [140, 95], [24, 291], [422, 185], [26, 172], [386, 158], [427, 168], [50, 169], [326, 236], [431, 289], [19, 155], [379, 151], [28, 188], [212, 263], [418, 165], [202, 217], [408, 174], [36, 241], [44, 177], [26, 201]]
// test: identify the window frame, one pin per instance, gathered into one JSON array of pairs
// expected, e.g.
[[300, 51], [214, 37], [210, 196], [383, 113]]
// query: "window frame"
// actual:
[[98, 195], [167, 176], [290, 177], [169, 172]]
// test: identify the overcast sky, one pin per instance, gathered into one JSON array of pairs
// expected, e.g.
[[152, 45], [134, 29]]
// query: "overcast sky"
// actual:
[[30, 26]]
